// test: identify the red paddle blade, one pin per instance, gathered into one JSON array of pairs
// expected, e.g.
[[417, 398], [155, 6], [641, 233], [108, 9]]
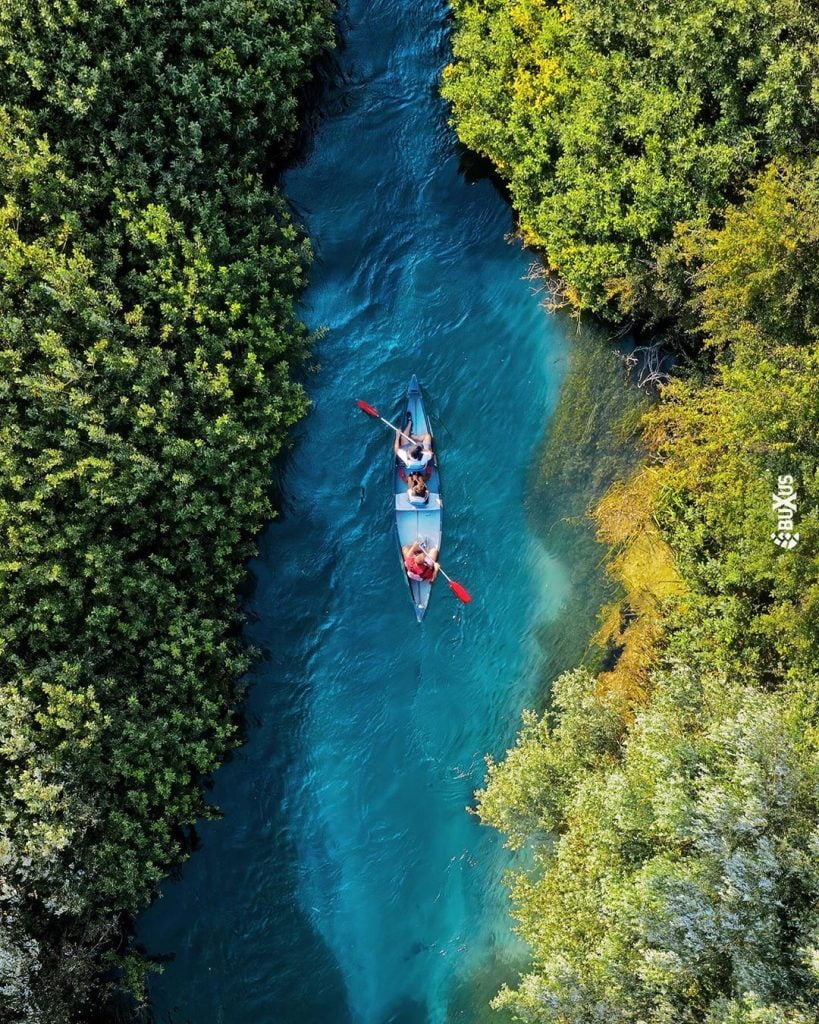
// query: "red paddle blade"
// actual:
[[460, 592], [370, 411]]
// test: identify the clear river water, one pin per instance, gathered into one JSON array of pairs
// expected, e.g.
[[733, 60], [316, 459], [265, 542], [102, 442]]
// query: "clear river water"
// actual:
[[346, 883]]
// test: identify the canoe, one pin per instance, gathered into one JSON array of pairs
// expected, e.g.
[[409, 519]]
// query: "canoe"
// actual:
[[412, 522]]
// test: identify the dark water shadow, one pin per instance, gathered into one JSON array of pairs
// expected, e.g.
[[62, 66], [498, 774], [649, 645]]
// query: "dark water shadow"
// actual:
[[306, 972], [407, 1012], [591, 441], [317, 100], [472, 995], [474, 168]]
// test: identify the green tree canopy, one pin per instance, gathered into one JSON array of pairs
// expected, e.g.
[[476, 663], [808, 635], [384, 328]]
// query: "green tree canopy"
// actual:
[[149, 273], [680, 883], [663, 157], [614, 121]]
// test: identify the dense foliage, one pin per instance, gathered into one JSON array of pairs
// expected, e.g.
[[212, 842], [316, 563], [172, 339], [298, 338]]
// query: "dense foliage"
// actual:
[[148, 278], [665, 159], [678, 878], [675, 828], [725, 438], [612, 120]]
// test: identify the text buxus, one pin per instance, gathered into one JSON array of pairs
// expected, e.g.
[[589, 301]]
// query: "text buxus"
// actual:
[[784, 506]]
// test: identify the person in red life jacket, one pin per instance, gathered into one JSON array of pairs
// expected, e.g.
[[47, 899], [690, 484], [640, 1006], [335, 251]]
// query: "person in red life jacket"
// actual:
[[420, 564]]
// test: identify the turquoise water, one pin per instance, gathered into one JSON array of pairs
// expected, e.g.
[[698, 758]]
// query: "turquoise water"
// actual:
[[345, 882]]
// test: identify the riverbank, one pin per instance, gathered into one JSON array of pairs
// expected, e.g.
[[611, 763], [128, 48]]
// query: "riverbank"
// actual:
[[659, 798], [150, 342]]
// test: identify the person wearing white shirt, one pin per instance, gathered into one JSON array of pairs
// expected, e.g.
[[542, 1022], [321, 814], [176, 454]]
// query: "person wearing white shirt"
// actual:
[[413, 450], [417, 490]]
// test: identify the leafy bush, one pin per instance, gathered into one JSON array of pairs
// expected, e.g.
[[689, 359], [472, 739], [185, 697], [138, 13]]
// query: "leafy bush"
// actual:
[[614, 121], [148, 279], [725, 439], [681, 882], [664, 158]]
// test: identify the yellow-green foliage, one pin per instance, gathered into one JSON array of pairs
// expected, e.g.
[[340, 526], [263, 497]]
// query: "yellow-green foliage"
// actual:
[[757, 278], [679, 881], [676, 869], [671, 804], [523, 795], [725, 439], [643, 563]]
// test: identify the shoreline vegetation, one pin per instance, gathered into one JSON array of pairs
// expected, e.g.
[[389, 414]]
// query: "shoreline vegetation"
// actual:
[[149, 276], [663, 160]]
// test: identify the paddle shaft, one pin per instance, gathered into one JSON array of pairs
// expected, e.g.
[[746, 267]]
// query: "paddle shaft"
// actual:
[[372, 411], [458, 589], [399, 432], [440, 570], [412, 440]]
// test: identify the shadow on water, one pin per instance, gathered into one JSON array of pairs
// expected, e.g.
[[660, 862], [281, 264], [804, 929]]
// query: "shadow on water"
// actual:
[[472, 995], [407, 1012], [474, 167], [319, 991], [591, 441], [314, 983], [320, 98]]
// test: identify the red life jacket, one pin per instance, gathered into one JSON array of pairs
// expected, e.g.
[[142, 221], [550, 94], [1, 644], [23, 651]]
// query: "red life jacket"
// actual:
[[415, 570]]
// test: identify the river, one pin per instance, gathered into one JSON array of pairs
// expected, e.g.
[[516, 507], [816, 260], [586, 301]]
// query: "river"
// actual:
[[346, 884]]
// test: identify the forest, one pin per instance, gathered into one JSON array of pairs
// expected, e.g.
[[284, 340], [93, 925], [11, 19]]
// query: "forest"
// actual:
[[663, 160], [149, 274]]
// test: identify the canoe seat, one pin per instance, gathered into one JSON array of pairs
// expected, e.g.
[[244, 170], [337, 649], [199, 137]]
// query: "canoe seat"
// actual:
[[403, 504]]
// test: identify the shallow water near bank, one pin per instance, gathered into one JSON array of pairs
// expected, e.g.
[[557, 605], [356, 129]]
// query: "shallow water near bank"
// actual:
[[346, 882]]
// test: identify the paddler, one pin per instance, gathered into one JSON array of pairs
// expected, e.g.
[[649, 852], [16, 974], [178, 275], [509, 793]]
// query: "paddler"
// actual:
[[413, 450], [421, 564], [417, 490]]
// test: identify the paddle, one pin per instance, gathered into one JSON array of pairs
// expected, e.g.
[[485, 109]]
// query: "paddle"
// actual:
[[457, 589], [370, 411]]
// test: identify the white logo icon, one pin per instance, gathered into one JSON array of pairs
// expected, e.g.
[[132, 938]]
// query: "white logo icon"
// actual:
[[785, 540], [784, 507]]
